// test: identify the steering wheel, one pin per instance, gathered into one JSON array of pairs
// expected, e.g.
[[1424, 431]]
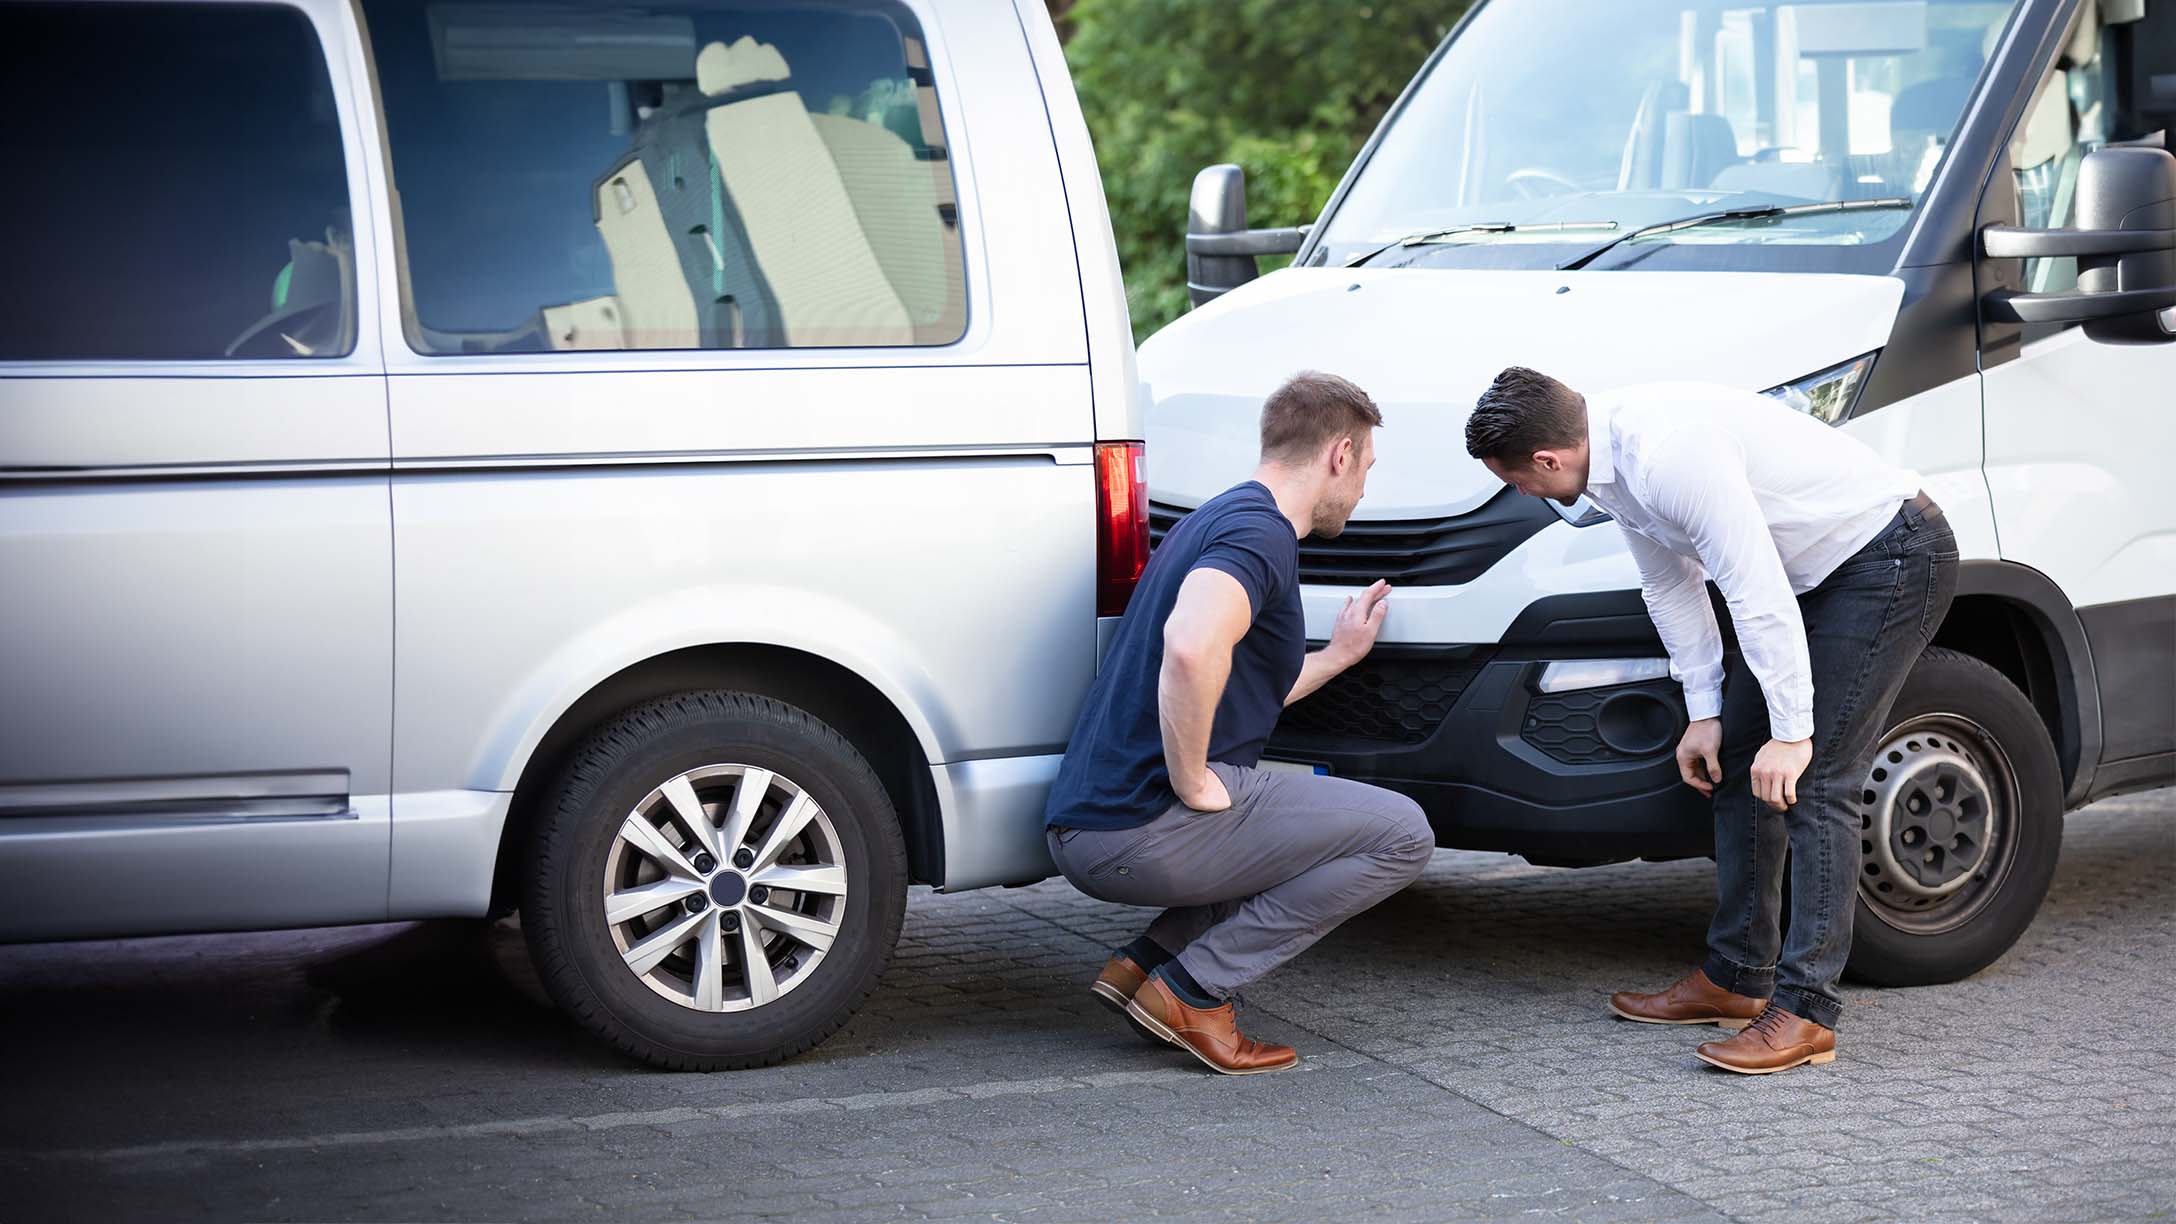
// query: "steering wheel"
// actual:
[[312, 310], [1533, 182], [284, 333]]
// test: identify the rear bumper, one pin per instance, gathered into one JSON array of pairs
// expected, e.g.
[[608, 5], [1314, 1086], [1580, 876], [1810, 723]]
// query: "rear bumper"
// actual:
[[1583, 776], [993, 820]]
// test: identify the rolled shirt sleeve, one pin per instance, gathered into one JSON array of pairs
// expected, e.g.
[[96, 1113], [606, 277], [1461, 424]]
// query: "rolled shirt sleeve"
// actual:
[[1697, 482]]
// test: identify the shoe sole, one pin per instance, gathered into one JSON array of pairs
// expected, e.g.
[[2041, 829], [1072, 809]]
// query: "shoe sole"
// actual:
[[1110, 996], [1728, 1023], [1164, 1033], [1809, 1060]]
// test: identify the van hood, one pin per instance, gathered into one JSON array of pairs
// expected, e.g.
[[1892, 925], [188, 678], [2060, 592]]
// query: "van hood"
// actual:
[[1425, 344]]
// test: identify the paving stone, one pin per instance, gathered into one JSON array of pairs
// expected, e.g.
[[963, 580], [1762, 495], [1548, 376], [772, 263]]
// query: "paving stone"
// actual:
[[1460, 1066]]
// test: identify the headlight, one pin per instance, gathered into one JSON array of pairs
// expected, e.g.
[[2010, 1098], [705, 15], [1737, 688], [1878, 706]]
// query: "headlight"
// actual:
[[1827, 396]]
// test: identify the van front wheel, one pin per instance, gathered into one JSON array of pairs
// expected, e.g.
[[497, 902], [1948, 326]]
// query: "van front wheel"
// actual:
[[1960, 821], [717, 881]]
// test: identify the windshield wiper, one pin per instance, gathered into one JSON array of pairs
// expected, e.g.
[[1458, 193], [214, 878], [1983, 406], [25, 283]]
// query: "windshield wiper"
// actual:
[[1426, 237], [1736, 214]]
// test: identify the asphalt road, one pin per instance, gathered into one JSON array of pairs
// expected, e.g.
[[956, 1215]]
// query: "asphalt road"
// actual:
[[1459, 1065]]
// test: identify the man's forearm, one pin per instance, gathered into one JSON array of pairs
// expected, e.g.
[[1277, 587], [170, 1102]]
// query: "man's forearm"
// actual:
[[1187, 690], [1320, 667]]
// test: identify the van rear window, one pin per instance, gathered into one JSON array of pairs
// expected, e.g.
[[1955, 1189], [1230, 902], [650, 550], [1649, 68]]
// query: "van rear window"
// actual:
[[606, 176]]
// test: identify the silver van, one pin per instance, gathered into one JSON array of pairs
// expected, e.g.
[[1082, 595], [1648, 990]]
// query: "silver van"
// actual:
[[657, 464]]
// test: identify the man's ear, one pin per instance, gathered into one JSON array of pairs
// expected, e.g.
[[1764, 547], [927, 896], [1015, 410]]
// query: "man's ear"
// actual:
[[1548, 460], [1341, 455]]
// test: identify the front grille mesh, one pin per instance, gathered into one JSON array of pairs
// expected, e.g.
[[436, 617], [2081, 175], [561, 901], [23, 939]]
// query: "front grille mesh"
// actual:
[[1388, 698]]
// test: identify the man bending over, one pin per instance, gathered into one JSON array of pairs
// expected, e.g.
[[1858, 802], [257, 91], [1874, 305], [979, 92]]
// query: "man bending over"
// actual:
[[1837, 569]]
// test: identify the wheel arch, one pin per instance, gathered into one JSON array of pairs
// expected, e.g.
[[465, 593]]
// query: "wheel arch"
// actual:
[[2016, 620], [850, 703]]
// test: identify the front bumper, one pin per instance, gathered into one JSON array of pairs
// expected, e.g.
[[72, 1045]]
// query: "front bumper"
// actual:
[[1583, 776]]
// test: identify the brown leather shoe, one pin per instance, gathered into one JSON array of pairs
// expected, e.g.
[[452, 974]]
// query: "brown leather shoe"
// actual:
[[1777, 1041], [1114, 987], [1209, 1034], [1692, 1000]]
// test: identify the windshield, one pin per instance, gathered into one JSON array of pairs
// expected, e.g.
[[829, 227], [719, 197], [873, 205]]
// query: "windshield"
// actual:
[[1639, 112]]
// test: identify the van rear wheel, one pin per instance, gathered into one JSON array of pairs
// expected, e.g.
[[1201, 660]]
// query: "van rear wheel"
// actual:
[[1961, 821], [717, 882]]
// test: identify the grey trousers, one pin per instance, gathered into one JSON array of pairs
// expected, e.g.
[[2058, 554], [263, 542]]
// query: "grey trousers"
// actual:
[[1250, 887]]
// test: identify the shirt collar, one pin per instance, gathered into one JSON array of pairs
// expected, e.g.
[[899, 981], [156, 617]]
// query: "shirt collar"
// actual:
[[1601, 452]]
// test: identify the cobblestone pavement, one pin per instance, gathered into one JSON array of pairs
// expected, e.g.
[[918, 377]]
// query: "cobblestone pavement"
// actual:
[[1459, 1066]]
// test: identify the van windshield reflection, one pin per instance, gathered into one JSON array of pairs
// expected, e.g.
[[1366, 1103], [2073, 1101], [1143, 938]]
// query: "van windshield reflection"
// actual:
[[1549, 115]]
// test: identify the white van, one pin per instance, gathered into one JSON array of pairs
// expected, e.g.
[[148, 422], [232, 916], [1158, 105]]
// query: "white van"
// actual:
[[658, 463], [1948, 226]]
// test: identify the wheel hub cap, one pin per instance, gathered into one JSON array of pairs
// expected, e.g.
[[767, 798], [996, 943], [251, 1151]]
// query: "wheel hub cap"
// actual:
[[728, 888], [772, 915], [1928, 820]]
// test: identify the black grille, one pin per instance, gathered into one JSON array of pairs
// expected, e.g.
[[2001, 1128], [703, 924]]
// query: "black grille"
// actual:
[[1569, 726], [1408, 552], [1388, 698]]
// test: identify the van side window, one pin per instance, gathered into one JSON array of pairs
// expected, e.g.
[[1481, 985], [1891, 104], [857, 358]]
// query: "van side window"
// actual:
[[2076, 109], [178, 190], [610, 176]]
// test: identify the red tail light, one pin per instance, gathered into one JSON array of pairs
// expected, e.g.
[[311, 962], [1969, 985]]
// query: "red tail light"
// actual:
[[1121, 524]]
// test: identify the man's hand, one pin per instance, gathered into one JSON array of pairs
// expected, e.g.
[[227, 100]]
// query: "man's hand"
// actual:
[[1699, 755], [1776, 769], [1357, 624], [1204, 793]]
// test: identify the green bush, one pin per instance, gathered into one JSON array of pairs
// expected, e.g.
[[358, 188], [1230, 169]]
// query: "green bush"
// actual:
[[1287, 89]]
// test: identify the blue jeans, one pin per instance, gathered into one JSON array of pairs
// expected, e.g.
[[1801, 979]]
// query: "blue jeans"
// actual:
[[1865, 626]]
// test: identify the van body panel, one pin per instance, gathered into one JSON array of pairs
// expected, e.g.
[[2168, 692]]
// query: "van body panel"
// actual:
[[445, 849], [2078, 439], [79, 420], [1936, 433], [525, 589], [170, 875], [489, 418], [166, 629], [987, 840]]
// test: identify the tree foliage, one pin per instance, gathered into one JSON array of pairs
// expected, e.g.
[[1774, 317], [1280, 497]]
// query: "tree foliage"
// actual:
[[1287, 89]]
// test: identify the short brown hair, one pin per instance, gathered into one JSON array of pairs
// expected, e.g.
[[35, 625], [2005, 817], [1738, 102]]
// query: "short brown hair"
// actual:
[[1311, 410], [1524, 411]]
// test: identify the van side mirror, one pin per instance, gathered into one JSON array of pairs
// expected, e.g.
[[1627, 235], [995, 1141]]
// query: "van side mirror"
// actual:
[[1220, 249], [2125, 243]]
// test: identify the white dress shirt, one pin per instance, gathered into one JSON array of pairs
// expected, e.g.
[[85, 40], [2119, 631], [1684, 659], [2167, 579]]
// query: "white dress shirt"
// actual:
[[1713, 482]]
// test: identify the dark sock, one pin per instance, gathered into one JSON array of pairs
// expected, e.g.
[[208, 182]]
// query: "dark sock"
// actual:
[[1146, 953], [1182, 984]]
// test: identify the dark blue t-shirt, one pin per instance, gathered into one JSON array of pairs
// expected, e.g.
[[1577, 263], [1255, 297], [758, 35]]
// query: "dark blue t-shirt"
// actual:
[[1113, 776]]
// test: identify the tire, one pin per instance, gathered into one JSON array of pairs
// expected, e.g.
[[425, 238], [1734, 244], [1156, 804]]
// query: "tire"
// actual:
[[821, 946], [1965, 797]]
